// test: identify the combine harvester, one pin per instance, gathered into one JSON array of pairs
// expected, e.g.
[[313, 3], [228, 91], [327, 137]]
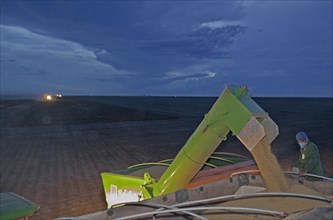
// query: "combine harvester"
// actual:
[[202, 184]]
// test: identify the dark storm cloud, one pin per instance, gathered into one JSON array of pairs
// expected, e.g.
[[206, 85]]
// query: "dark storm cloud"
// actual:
[[173, 47], [123, 28], [201, 43]]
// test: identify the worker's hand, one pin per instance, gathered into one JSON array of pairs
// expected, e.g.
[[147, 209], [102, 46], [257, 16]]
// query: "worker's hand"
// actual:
[[295, 170], [302, 173]]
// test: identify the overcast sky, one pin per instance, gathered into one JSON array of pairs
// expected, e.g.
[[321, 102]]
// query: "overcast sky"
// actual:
[[192, 48]]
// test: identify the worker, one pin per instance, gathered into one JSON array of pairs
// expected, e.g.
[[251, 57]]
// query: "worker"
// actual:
[[309, 159]]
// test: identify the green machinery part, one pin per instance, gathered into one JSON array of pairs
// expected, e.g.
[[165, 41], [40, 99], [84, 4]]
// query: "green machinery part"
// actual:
[[13, 206], [233, 111]]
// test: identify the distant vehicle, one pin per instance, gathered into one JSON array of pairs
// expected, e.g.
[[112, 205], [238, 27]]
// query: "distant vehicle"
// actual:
[[58, 95], [47, 97]]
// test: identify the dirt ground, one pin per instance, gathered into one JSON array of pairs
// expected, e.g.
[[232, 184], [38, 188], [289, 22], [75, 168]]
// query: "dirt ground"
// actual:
[[53, 152]]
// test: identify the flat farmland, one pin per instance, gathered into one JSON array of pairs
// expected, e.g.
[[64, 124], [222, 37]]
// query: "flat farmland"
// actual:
[[53, 152]]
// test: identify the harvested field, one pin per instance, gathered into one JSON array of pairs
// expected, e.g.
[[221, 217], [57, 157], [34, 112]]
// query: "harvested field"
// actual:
[[12, 102], [53, 152]]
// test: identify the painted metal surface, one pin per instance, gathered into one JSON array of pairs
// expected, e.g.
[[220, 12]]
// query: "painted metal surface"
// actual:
[[13, 206], [233, 111]]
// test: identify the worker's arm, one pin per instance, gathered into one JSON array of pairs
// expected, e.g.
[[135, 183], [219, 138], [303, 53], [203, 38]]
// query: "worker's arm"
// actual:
[[312, 160], [299, 163]]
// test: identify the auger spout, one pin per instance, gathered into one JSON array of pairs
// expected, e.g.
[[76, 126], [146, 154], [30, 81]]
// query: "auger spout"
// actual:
[[233, 111]]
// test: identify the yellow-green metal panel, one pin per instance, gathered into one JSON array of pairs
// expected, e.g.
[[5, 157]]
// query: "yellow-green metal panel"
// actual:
[[121, 188]]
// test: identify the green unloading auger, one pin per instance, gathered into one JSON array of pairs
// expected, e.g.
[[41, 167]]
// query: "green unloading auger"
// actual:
[[233, 111]]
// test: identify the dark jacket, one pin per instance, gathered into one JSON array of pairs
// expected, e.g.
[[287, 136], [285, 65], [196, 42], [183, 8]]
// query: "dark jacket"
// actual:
[[309, 160]]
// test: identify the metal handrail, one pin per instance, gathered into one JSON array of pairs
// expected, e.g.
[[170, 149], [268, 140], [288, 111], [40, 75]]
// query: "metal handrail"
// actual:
[[150, 163], [228, 197], [162, 162], [245, 172], [162, 207], [311, 175], [222, 199], [210, 165], [165, 160], [204, 208], [232, 154], [222, 159]]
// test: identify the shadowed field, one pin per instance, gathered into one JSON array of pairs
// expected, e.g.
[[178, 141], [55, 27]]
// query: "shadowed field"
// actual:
[[53, 152]]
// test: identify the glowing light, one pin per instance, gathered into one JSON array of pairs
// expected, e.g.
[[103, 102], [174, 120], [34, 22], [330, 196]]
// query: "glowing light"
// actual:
[[48, 97], [116, 196]]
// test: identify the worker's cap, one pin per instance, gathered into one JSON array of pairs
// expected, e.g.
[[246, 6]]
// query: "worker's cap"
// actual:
[[301, 136]]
